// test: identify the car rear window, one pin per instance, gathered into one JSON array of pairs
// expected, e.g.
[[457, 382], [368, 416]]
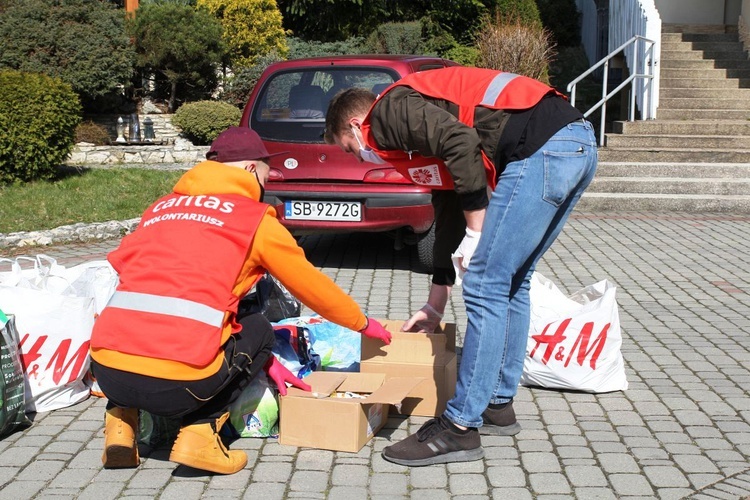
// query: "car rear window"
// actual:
[[291, 106]]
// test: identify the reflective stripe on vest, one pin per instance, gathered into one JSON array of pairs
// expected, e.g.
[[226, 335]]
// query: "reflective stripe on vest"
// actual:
[[172, 306], [496, 87]]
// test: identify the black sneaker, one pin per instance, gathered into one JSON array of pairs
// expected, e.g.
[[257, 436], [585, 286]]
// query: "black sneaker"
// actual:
[[437, 442], [500, 421]]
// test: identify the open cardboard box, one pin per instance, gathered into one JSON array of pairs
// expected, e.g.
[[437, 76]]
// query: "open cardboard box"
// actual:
[[323, 419], [431, 356]]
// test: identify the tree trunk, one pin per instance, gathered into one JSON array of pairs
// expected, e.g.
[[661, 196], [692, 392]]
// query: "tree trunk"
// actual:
[[173, 96]]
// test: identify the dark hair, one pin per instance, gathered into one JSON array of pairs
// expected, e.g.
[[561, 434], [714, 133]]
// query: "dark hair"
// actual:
[[344, 105]]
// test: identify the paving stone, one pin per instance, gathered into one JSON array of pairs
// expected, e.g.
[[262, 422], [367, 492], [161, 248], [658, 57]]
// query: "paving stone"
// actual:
[[388, 485], [428, 477], [306, 480], [272, 471], [430, 494], [462, 484], [266, 491], [506, 476], [347, 493], [350, 475]]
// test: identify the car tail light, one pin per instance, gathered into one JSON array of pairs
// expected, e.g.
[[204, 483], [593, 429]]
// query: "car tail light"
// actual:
[[386, 176], [275, 175]]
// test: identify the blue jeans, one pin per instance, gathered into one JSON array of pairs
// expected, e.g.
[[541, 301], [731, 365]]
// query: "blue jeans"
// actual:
[[527, 211]]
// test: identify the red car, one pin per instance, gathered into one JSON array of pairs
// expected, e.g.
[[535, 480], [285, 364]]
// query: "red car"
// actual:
[[316, 187]]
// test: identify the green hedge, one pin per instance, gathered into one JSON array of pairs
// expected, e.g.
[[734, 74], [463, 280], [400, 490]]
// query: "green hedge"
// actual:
[[39, 115], [202, 121]]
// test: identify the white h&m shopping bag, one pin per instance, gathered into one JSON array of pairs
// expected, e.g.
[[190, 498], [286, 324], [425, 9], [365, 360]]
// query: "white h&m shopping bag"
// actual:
[[574, 342], [55, 308]]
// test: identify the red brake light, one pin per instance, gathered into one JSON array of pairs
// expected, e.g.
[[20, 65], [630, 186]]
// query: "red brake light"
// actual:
[[275, 175], [386, 176]]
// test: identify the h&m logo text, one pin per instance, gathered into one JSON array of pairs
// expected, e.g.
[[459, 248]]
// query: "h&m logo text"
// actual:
[[582, 344]]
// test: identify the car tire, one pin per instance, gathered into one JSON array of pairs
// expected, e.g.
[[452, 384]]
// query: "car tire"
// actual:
[[425, 245]]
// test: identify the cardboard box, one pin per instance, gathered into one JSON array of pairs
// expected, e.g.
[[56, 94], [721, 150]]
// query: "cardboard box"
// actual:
[[324, 419], [431, 356]]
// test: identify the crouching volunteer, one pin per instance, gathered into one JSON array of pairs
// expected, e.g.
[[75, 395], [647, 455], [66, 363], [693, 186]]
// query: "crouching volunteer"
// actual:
[[169, 341]]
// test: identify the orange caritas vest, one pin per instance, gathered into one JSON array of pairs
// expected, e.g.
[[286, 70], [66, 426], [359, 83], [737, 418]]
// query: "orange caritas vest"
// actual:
[[177, 271], [467, 88]]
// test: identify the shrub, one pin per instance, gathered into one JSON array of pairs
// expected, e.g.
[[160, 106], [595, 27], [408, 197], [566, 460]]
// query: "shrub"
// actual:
[[92, 133], [237, 87], [179, 43], [524, 12], [39, 115], [466, 56], [396, 38], [299, 48], [252, 28], [83, 42], [202, 121], [515, 47], [562, 18]]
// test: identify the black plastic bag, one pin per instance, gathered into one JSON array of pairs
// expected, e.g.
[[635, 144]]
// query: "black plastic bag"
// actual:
[[12, 385], [271, 299]]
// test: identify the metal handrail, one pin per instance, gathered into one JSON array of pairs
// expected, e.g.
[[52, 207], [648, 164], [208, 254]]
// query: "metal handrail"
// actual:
[[651, 63]]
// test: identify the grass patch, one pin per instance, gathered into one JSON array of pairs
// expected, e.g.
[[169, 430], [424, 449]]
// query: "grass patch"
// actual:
[[95, 195]]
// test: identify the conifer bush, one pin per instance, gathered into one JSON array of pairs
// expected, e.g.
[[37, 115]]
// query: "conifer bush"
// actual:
[[39, 115], [203, 121]]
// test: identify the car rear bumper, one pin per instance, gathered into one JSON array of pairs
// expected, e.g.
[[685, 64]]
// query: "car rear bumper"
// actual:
[[381, 211]]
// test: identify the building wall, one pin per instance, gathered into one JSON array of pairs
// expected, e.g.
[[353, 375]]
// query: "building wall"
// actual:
[[699, 11]]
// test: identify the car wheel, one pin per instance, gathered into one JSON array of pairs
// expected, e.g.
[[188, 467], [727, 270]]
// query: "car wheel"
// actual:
[[424, 249]]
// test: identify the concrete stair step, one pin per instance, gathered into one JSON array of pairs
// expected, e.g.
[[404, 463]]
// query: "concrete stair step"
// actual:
[[697, 28], [592, 201], [702, 48], [703, 103], [710, 37], [717, 73], [678, 141], [668, 54], [702, 114], [691, 93], [673, 155], [683, 127], [721, 47], [717, 46], [704, 83], [670, 185], [673, 170], [704, 64]]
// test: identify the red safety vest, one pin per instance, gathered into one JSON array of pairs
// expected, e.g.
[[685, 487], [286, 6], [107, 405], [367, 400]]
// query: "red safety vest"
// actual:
[[177, 273], [468, 88]]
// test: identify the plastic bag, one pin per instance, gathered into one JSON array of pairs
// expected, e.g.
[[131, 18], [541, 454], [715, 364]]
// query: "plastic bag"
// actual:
[[271, 299], [157, 432], [293, 348], [574, 342], [339, 348], [256, 412], [12, 386]]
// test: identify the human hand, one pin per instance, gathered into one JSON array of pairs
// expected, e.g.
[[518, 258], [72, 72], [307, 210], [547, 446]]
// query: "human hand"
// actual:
[[462, 256], [375, 330], [426, 320], [281, 375]]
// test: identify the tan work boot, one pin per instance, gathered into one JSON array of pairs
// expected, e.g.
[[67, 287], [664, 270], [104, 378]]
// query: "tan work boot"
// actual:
[[200, 446], [120, 431]]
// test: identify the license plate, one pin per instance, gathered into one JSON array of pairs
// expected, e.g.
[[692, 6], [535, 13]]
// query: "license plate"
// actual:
[[323, 210]]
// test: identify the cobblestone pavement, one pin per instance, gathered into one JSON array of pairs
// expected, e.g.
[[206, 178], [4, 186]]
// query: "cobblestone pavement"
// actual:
[[681, 430]]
